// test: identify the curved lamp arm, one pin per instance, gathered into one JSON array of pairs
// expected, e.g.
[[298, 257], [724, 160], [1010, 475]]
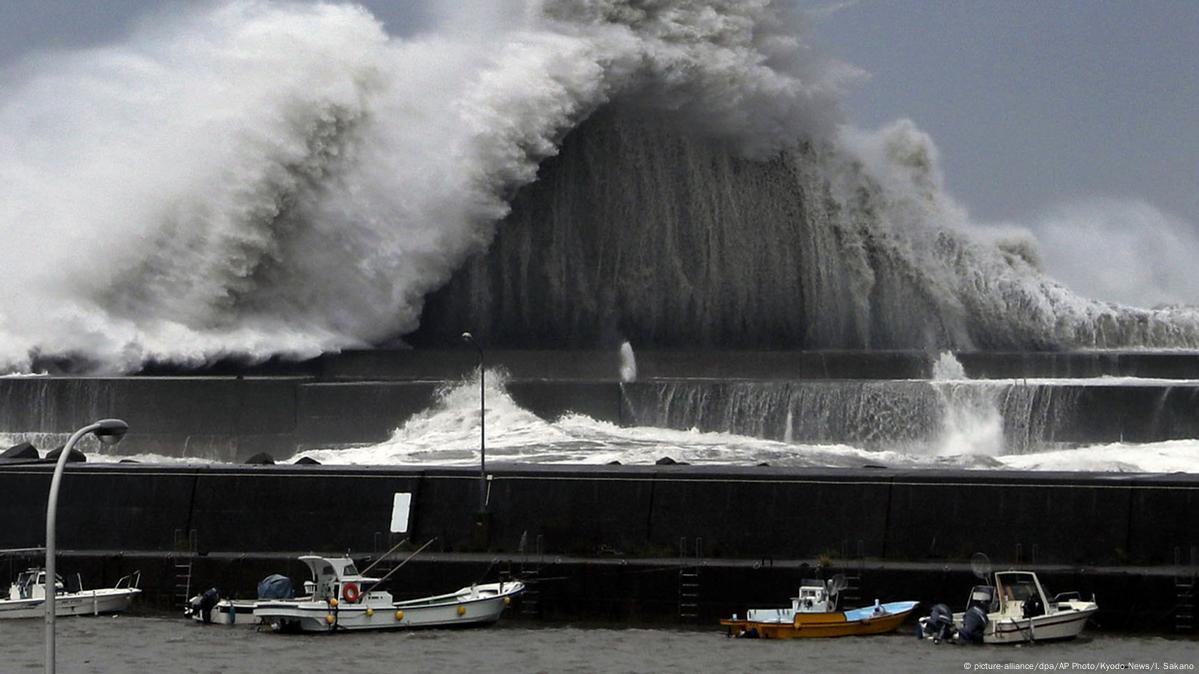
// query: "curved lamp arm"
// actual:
[[110, 432]]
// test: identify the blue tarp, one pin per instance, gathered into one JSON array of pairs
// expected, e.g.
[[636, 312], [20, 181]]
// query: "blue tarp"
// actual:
[[275, 586]]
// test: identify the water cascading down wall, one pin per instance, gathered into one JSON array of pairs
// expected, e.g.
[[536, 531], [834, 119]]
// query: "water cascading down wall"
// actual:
[[638, 231], [643, 228]]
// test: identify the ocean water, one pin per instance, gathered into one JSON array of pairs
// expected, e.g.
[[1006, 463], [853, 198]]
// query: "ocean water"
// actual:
[[110, 645]]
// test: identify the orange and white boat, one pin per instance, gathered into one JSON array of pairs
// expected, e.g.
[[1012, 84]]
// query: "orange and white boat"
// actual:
[[813, 614]]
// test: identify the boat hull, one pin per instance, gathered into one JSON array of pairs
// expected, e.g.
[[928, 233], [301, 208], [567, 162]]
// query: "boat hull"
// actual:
[[1057, 626], [471, 606], [88, 602], [228, 613], [823, 625]]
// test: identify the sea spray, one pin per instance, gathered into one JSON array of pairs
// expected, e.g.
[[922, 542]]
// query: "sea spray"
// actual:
[[254, 178], [948, 368], [262, 178], [971, 422], [628, 363]]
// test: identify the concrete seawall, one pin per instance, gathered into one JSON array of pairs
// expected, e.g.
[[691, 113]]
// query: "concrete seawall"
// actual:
[[437, 364], [232, 418], [908, 526]]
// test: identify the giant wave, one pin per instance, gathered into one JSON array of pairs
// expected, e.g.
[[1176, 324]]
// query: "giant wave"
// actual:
[[257, 179]]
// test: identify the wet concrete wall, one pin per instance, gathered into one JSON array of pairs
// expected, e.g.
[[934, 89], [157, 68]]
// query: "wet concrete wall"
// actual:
[[728, 513], [448, 364], [608, 542], [230, 419]]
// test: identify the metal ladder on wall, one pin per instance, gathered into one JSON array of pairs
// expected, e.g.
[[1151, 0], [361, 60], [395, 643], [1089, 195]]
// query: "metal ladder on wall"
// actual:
[[185, 544], [689, 570], [1184, 591], [530, 574], [851, 595]]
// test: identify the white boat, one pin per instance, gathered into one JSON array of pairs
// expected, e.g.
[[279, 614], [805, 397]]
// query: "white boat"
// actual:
[[27, 597], [340, 598], [1014, 610]]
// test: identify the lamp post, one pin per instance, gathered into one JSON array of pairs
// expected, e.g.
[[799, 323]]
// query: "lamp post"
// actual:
[[109, 432], [469, 339]]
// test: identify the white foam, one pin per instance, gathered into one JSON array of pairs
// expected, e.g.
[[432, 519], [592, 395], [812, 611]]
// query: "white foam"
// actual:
[[1156, 457], [448, 434], [948, 368], [269, 178]]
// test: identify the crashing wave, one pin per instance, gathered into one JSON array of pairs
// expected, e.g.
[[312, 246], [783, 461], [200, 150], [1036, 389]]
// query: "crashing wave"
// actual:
[[259, 179]]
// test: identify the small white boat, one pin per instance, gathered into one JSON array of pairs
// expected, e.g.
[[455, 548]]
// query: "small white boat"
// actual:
[[340, 598], [1014, 610], [27, 597]]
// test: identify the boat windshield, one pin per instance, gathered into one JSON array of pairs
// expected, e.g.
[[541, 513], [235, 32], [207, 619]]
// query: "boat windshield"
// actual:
[[349, 570], [982, 596], [1018, 587]]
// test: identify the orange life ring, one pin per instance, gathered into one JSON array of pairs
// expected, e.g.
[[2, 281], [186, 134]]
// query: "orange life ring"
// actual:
[[351, 593]]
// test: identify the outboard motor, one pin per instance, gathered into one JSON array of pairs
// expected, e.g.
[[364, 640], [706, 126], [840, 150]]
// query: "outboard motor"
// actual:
[[208, 601], [974, 622], [938, 625]]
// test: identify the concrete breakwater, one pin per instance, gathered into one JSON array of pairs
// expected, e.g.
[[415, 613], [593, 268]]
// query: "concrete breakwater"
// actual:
[[599, 530], [232, 418], [583, 364]]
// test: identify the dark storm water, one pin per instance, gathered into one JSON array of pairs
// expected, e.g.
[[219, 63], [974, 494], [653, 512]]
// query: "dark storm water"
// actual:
[[158, 644]]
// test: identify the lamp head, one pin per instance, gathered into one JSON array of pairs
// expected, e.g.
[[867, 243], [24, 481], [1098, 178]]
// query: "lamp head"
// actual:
[[111, 431], [467, 337]]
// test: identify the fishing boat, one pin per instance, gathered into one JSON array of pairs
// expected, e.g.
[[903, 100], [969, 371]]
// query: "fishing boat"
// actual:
[[341, 598], [209, 607], [27, 596], [1015, 609], [813, 613]]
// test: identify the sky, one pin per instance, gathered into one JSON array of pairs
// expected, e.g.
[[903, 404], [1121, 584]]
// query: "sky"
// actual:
[[1032, 103], [1075, 119]]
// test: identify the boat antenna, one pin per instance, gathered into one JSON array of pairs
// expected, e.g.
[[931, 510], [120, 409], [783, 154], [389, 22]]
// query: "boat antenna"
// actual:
[[401, 564], [383, 557]]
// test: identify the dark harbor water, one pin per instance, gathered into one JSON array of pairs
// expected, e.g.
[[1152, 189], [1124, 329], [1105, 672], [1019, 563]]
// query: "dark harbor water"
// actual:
[[164, 644]]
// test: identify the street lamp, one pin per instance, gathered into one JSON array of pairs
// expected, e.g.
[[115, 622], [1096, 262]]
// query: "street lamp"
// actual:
[[109, 432], [469, 339]]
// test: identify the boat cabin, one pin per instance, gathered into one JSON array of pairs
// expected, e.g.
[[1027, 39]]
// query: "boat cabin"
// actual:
[[31, 584], [1019, 594], [334, 577], [813, 598]]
